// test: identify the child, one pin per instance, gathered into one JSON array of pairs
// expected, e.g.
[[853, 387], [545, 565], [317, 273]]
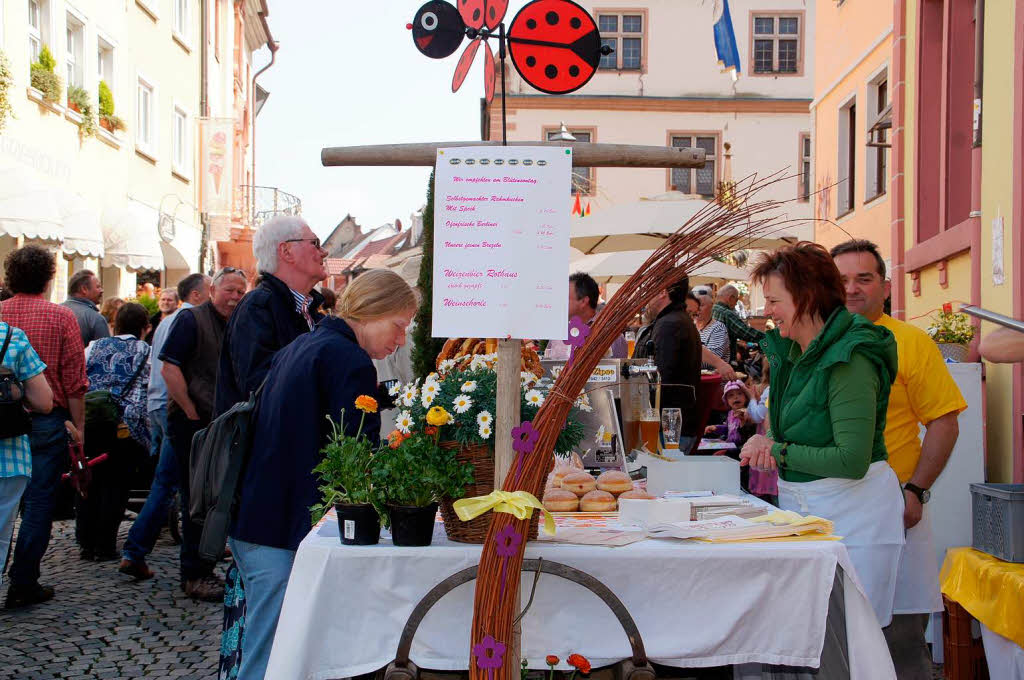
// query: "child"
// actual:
[[742, 424]]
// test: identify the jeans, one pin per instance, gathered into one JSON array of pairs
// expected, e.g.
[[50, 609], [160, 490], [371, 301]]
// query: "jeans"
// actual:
[[265, 573], [146, 529], [49, 442], [905, 638], [11, 489], [180, 431]]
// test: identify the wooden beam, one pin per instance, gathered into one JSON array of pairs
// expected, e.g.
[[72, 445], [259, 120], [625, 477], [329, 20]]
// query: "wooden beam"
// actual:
[[584, 154], [507, 407]]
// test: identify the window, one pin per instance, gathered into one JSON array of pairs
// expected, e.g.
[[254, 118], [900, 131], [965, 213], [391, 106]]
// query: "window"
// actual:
[[776, 44], [73, 57], [180, 159], [847, 155], [181, 20], [145, 117], [805, 167], [582, 178], [624, 33], [105, 62], [876, 156], [702, 181], [38, 27]]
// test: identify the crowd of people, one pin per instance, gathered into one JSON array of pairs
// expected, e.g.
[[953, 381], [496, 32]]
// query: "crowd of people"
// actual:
[[830, 428]]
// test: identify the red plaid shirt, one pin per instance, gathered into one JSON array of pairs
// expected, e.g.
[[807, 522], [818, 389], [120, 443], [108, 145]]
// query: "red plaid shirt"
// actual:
[[54, 334]]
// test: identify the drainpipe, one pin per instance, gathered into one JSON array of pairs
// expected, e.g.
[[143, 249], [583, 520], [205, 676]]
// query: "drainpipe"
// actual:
[[204, 110], [898, 187], [272, 44], [975, 215]]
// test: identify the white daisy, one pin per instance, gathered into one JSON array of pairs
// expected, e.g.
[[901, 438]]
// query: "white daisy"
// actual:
[[446, 365], [484, 431], [462, 403], [409, 396], [477, 363], [484, 418], [403, 422], [535, 397], [431, 388], [395, 389], [427, 400], [469, 386], [432, 377]]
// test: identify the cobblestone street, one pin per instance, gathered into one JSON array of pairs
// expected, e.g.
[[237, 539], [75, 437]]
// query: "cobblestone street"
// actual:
[[102, 624]]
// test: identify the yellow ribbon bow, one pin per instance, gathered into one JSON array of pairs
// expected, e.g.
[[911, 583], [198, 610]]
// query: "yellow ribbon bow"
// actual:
[[520, 504]]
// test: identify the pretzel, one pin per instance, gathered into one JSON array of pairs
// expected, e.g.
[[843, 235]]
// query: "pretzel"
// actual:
[[462, 351]]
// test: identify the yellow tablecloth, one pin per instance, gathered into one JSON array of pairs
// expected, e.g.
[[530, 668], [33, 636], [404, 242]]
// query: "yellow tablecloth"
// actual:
[[990, 589]]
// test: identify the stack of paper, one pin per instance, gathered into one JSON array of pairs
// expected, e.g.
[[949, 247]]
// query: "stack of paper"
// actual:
[[776, 525]]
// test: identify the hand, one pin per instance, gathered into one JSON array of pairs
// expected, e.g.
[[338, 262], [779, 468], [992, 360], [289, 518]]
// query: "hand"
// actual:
[[190, 412], [73, 432], [727, 372], [912, 509], [710, 429], [757, 453], [743, 416]]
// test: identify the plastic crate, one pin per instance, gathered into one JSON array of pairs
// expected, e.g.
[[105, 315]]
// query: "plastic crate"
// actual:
[[964, 654], [997, 512]]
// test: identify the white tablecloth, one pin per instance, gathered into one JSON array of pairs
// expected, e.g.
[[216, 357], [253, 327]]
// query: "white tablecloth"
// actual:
[[1005, 658], [695, 605]]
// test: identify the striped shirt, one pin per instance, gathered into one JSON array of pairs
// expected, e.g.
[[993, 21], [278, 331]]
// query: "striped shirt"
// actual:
[[302, 303], [715, 337], [16, 452]]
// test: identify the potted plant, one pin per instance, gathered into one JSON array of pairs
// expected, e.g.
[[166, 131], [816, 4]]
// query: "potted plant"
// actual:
[[108, 121], [80, 102], [413, 474], [467, 390], [6, 80], [43, 77], [952, 331], [346, 482]]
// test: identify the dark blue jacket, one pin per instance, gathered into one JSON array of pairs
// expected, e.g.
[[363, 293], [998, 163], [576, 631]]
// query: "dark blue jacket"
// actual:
[[264, 322], [317, 375]]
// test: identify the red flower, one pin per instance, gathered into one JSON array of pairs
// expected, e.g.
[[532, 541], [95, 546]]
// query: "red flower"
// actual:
[[551, 660], [430, 430], [579, 662], [947, 308]]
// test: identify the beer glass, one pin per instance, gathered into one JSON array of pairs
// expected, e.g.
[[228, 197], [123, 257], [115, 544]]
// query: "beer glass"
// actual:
[[671, 426]]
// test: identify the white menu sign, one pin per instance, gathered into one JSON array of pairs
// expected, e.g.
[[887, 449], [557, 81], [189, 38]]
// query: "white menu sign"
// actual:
[[501, 242]]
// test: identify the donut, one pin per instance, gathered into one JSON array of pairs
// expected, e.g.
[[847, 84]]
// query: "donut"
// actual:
[[560, 500], [559, 473], [614, 482], [597, 501], [579, 483], [636, 494]]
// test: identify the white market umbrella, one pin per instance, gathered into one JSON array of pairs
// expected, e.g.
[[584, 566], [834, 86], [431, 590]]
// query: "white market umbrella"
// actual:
[[617, 267], [645, 224]]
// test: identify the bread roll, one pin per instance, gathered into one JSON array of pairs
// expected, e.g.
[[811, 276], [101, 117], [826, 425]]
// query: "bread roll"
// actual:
[[614, 482], [579, 483], [636, 494], [597, 501], [560, 500]]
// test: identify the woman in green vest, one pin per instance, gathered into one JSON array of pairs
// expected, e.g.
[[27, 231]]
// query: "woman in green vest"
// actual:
[[830, 377]]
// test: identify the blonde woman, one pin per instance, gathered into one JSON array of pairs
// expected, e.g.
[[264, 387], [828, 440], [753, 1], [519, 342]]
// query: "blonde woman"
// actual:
[[318, 375]]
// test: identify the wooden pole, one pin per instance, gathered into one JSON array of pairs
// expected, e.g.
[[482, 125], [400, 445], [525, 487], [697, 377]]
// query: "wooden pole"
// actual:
[[507, 403], [584, 154]]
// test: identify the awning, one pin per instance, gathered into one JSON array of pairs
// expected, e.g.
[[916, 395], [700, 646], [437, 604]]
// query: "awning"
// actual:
[[617, 267], [28, 205], [83, 236], [131, 239]]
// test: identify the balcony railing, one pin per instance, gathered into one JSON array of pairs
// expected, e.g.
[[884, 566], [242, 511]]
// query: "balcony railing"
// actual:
[[262, 203]]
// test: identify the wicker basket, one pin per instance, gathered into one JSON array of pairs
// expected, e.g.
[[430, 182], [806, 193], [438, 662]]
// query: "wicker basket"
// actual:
[[954, 352], [475, 530]]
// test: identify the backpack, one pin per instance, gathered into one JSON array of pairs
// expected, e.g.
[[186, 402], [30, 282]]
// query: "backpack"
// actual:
[[14, 419], [217, 460], [103, 413]]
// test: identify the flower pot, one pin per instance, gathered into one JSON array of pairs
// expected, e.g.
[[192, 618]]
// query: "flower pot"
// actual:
[[358, 523], [412, 525], [106, 125], [954, 352]]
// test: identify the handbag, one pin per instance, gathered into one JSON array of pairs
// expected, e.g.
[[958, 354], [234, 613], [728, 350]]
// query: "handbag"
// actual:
[[103, 413], [14, 419]]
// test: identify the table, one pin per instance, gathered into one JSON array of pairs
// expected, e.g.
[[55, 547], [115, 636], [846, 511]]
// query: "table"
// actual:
[[696, 605]]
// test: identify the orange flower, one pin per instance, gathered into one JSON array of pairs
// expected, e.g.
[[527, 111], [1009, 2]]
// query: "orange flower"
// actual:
[[579, 662], [551, 660], [430, 430], [395, 439], [366, 404]]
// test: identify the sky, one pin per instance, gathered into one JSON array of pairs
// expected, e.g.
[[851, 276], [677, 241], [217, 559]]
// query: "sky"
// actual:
[[347, 73]]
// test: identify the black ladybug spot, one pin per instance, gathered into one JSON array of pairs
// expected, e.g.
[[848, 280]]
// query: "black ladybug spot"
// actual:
[[575, 22], [551, 71], [531, 61], [551, 18], [476, 15], [574, 71], [494, 13], [531, 24]]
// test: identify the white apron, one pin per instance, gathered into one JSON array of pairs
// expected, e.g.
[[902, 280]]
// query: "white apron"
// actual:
[[868, 514], [917, 583]]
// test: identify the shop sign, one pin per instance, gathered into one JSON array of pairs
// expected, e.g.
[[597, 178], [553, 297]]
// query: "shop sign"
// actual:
[[216, 164]]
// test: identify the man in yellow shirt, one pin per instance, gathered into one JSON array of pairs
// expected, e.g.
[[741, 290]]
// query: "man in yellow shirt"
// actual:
[[924, 394]]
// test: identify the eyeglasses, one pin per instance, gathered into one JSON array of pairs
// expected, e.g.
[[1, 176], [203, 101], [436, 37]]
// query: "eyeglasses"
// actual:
[[315, 241], [224, 271]]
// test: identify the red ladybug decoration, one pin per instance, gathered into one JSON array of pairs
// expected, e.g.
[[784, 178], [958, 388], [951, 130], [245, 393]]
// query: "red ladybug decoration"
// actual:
[[480, 13], [555, 45]]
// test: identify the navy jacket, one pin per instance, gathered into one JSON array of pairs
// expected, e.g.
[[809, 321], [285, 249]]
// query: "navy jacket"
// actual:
[[264, 322], [317, 375]]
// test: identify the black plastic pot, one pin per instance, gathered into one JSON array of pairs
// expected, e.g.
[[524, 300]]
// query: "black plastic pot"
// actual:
[[358, 524], [412, 525]]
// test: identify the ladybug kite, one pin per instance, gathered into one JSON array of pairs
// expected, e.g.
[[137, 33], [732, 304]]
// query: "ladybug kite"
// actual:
[[554, 44]]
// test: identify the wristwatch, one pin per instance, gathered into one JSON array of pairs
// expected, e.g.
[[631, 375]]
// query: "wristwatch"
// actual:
[[923, 495]]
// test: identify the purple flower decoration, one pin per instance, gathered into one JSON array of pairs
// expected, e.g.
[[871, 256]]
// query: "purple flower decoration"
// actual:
[[489, 655], [524, 437], [507, 542], [578, 332]]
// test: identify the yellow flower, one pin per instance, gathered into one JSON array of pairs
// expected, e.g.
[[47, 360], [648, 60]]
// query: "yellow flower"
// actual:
[[437, 416], [366, 404]]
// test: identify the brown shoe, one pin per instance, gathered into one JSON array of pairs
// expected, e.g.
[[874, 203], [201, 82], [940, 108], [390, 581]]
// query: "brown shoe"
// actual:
[[206, 588], [140, 571]]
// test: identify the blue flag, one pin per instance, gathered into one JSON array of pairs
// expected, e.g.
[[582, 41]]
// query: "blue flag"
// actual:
[[725, 42]]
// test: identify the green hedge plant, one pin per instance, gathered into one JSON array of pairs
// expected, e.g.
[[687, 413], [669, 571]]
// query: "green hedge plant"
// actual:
[[43, 77], [80, 101], [6, 81]]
